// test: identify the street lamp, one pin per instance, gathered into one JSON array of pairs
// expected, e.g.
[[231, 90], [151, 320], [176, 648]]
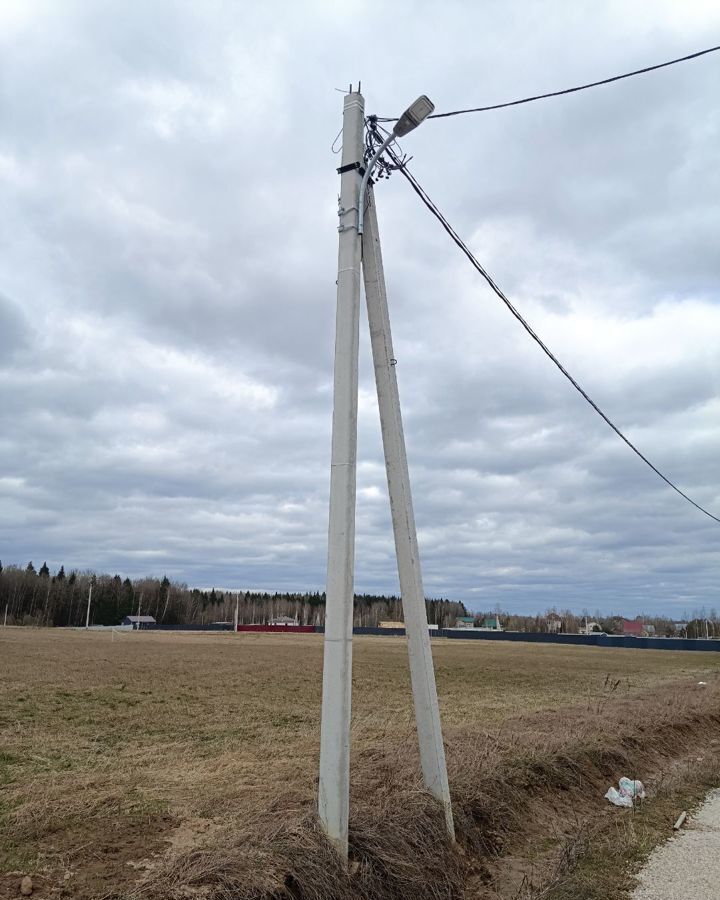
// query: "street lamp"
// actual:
[[413, 116]]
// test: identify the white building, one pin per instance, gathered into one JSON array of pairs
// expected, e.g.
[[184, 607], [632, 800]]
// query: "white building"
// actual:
[[138, 621], [283, 620]]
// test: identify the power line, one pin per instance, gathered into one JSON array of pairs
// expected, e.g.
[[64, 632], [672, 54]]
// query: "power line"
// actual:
[[420, 191], [572, 90]]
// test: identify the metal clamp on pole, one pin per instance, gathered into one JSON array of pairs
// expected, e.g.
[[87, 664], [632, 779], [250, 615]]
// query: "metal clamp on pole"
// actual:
[[349, 168]]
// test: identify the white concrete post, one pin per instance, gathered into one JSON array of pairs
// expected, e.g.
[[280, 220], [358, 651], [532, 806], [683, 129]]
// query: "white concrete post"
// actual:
[[237, 611], [422, 673], [334, 784], [87, 615]]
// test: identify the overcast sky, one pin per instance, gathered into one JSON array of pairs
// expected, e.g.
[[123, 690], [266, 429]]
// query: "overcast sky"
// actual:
[[167, 295]]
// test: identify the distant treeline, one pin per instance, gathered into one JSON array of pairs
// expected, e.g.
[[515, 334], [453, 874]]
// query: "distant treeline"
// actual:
[[39, 597]]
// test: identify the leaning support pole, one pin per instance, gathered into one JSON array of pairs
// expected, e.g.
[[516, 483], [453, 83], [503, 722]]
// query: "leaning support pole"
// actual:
[[334, 784], [422, 673], [87, 614]]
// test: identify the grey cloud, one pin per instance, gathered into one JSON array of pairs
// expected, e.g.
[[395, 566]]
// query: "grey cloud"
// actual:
[[170, 237], [14, 330]]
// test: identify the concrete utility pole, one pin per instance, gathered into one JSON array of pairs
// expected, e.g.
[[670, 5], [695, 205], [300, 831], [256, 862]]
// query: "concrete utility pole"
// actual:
[[167, 600], [422, 673], [237, 611], [359, 239], [334, 784], [87, 615]]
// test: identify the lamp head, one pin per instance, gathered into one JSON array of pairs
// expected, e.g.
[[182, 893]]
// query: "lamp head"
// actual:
[[413, 116]]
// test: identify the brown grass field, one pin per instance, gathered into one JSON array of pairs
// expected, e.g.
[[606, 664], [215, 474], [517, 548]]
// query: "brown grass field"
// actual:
[[169, 765]]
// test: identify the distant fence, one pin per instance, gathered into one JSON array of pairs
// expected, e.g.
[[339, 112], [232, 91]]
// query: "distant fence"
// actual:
[[279, 629], [320, 629], [473, 634], [387, 632], [531, 637], [101, 628], [216, 626], [588, 640]]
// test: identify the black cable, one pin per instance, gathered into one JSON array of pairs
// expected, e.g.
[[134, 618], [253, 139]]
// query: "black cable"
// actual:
[[419, 190], [572, 90]]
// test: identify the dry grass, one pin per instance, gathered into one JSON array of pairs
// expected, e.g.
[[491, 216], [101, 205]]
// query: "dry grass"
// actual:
[[111, 749]]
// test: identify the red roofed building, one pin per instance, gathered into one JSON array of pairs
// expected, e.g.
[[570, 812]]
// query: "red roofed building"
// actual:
[[633, 627]]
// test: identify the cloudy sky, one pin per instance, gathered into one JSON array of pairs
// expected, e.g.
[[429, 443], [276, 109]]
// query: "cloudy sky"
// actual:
[[167, 292]]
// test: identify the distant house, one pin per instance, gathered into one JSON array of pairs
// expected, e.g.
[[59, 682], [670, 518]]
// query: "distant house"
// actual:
[[650, 630], [680, 627], [554, 623], [465, 622], [138, 621], [283, 620], [491, 623], [633, 628], [590, 628]]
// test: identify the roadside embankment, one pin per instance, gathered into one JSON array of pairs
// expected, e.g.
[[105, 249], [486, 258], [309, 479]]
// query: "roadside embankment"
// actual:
[[528, 803]]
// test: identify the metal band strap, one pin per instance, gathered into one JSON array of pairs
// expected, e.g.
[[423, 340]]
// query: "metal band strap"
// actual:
[[350, 166]]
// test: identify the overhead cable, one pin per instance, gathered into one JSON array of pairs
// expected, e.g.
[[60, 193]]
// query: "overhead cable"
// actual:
[[572, 90], [420, 191]]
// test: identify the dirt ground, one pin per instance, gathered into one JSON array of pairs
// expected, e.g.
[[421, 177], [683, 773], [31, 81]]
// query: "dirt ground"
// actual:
[[115, 750]]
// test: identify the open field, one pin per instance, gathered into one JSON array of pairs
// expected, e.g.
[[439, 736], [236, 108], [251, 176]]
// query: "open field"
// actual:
[[119, 758]]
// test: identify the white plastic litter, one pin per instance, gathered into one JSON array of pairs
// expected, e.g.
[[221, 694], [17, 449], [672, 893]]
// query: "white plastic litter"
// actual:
[[630, 790], [614, 796]]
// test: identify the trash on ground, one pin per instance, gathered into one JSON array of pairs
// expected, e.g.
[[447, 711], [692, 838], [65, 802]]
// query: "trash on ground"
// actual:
[[681, 818], [630, 790], [614, 796]]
